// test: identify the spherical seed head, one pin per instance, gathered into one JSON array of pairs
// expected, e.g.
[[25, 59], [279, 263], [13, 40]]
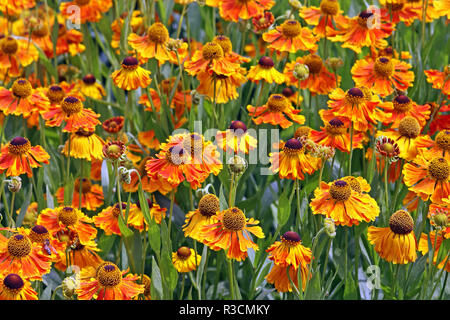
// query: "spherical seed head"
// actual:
[[158, 33], [238, 126], [234, 219], [443, 140], [211, 51], [384, 67], [340, 190], [354, 96], [19, 146], [290, 237], [335, 127], [277, 103], [301, 71], [89, 79], [109, 275], [314, 63], [40, 30], [401, 222], [22, 88], [329, 7], [9, 45], [195, 143], [291, 28], [146, 281], [266, 62], [293, 144], [302, 131], [363, 17], [19, 246], [409, 127], [237, 165], [354, 183], [13, 282], [177, 155], [224, 42], [183, 253], [55, 94], [209, 205], [130, 63], [38, 234], [439, 169], [116, 209], [287, 92], [71, 105], [67, 216], [402, 103]]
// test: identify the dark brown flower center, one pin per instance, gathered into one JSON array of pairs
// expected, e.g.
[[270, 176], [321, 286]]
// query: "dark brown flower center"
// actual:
[[401, 222], [234, 219], [209, 205]]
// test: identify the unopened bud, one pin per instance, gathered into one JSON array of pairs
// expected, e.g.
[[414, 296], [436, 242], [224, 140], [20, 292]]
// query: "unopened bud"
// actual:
[[237, 165], [174, 44], [70, 285], [15, 184], [334, 63], [330, 227], [124, 175], [295, 4], [195, 97], [301, 71], [440, 219]]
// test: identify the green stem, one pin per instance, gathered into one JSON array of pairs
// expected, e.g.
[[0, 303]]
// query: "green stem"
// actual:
[[394, 280], [11, 211], [299, 221], [386, 191], [230, 196], [54, 292], [327, 253], [231, 278], [172, 199], [351, 151], [183, 277], [441, 295]]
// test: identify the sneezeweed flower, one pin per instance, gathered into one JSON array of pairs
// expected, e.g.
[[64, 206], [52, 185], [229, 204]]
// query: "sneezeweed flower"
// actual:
[[218, 87], [291, 37], [81, 255], [19, 255], [109, 283], [14, 287], [19, 157], [387, 148], [147, 282], [73, 113], [136, 216], [402, 106], [439, 79], [293, 161], [396, 243], [16, 54], [302, 131], [399, 12], [113, 150], [131, 76], [70, 285], [265, 70], [114, 124], [66, 218], [108, 218], [437, 147], [31, 215], [319, 79], [91, 195], [382, 75], [335, 134], [436, 243], [275, 111], [227, 46], [89, 87], [185, 259], [263, 21], [428, 177], [84, 144], [346, 201], [89, 10], [233, 10], [208, 206], [230, 230], [236, 139], [293, 96], [288, 253]]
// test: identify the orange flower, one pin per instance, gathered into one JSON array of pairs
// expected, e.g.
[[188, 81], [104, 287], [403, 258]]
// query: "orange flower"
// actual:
[[208, 206], [265, 70], [19, 157], [90, 10], [401, 107], [73, 113], [109, 283], [230, 230], [424, 248], [131, 76], [382, 75], [319, 81], [399, 12], [274, 112], [91, 195], [290, 36], [16, 54], [293, 161], [222, 88], [136, 217], [89, 87], [84, 144], [429, 176], [108, 218], [81, 255], [236, 139], [14, 287], [233, 10], [439, 79], [439, 147], [346, 201]]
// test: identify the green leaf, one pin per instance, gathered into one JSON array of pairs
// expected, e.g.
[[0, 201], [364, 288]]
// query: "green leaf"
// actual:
[[24, 207], [314, 290], [350, 288], [156, 289], [284, 209]]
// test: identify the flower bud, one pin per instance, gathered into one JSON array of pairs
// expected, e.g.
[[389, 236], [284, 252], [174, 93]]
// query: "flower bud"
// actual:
[[69, 286], [15, 184], [201, 3], [301, 71], [334, 63], [330, 227], [174, 44], [195, 97], [440, 219], [295, 4], [124, 175], [237, 165]]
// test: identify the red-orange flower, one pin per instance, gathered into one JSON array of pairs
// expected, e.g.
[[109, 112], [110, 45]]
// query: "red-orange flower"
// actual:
[[234, 10], [89, 10], [91, 195], [401, 107], [14, 287], [439, 79], [108, 218]]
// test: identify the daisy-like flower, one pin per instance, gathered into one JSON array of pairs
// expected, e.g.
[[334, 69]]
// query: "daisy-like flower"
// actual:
[[346, 201], [439, 147], [185, 259], [89, 10], [288, 253], [64, 219], [236, 139], [443, 7], [362, 31], [387, 148], [402, 106], [396, 243], [14, 287], [73, 113], [136, 217], [108, 218], [439, 79], [319, 80], [293, 96], [291, 37], [233, 10], [84, 144], [114, 124], [19, 157], [227, 47], [265, 70], [335, 134], [91, 195], [399, 12], [208, 206], [109, 283], [89, 87], [22, 99], [323, 17], [424, 248], [16, 54], [114, 149], [136, 24], [356, 104], [131, 76], [222, 88], [293, 161], [428, 176], [230, 230], [275, 111], [18, 254], [262, 21], [382, 75]]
